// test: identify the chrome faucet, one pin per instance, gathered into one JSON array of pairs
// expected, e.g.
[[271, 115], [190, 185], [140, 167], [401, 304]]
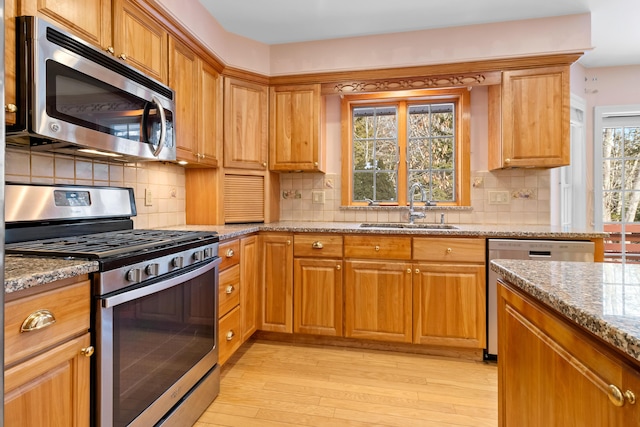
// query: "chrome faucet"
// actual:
[[413, 214]]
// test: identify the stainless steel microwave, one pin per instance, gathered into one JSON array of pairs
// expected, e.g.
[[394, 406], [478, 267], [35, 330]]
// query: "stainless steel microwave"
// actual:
[[73, 98]]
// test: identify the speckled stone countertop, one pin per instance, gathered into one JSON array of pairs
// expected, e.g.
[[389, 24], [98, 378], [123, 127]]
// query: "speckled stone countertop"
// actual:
[[603, 298], [230, 231], [25, 272]]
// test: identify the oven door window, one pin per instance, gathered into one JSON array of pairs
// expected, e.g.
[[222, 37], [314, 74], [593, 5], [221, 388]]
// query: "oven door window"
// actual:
[[157, 339], [77, 98]]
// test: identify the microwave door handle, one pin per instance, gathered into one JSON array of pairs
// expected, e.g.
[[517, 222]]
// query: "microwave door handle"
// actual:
[[163, 127]]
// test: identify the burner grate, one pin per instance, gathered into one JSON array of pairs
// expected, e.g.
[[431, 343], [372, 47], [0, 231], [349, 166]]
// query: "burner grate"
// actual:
[[104, 245]]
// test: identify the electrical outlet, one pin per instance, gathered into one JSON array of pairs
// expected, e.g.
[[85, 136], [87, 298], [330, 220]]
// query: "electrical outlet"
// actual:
[[317, 196], [498, 197], [148, 197]]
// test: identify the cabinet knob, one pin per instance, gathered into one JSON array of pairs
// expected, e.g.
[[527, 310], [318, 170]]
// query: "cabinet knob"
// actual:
[[230, 253], [377, 248], [123, 56], [230, 335], [37, 320], [408, 271], [317, 245], [449, 250], [338, 267], [315, 164], [10, 108], [417, 271], [630, 396], [230, 289], [87, 351], [264, 164], [288, 242], [507, 161], [615, 395], [110, 50]]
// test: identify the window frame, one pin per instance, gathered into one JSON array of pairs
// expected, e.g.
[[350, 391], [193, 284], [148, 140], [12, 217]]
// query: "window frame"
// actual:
[[458, 96]]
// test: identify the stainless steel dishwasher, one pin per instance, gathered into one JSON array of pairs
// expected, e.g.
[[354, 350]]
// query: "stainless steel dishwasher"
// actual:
[[549, 250]]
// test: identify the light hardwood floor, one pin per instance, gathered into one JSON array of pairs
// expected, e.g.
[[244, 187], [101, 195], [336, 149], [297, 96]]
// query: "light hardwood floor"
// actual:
[[269, 383]]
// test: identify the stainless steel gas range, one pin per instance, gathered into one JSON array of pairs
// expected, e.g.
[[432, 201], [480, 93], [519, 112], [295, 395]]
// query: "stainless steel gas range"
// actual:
[[154, 315]]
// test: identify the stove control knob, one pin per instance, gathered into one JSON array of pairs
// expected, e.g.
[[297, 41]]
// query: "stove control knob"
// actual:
[[134, 275], [208, 252], [177, 262], [151, 269], [198, 255]]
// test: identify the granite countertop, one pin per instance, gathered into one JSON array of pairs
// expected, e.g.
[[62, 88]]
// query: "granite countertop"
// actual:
[[603, 298], [25, 272], [230, 231]]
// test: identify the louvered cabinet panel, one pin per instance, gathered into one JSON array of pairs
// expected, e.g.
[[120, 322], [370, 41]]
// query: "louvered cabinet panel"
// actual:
[[243, 198]]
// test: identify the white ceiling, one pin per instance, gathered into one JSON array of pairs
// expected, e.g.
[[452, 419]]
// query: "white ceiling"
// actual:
[[615, 24]]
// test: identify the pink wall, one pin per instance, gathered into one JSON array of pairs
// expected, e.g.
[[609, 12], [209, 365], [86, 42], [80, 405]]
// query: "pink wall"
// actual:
[[445, 45], [438, 46]]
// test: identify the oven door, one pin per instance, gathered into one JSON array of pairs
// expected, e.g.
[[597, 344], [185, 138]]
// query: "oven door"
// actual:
[[154, 343]]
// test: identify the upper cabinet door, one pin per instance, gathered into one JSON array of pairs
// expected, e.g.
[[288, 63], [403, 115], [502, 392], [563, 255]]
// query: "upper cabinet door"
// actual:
[[209, 115], [245, 125], [295, 140], [183, 79], [139, 40], [88, 19], [529, 119]]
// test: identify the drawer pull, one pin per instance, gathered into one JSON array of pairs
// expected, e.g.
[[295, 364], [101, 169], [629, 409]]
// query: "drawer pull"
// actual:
[[288, 242], [317, 245], [230, 253], [615, 395], [377, 248], [123, 56], [338, 267], [449, 250], [230, 335], [87, 351], [10, 108], [230, 289], [37, 320]]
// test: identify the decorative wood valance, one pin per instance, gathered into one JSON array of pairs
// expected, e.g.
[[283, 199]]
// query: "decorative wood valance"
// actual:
[[430, 82]]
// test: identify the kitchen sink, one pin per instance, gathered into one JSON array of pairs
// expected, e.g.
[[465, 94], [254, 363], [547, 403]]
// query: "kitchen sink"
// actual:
[[423, 226]]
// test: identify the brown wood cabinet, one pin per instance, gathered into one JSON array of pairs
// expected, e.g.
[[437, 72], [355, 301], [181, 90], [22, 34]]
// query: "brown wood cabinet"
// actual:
[[529, 119], [229, 290], [552, 372], [198, 89], [89, 19], [277, 282], [249, 293], [378, 300], [317, 284], [295, 129], [10, 100], [449, 293], [47, 370], [245, 124], [140, 40]]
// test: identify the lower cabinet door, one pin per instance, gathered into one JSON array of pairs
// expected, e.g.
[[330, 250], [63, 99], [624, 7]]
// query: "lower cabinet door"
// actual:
[[317, 294], [378, 300], [52, 389]]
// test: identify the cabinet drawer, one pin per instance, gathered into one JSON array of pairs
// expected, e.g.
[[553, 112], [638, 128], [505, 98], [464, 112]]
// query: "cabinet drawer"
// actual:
[[317, 245], [228, 290], [445, 249], [229, 336], [230, 253], [70, 306], [382, 247]]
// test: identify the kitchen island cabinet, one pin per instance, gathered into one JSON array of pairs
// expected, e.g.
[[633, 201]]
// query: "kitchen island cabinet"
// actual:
[[568, 344], [47, 356]]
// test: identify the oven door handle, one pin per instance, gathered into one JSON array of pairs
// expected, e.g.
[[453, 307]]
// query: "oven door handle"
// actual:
[[159, 286]]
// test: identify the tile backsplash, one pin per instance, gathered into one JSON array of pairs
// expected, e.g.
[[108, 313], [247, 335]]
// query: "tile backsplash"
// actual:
[[166, 181], [524, 194]]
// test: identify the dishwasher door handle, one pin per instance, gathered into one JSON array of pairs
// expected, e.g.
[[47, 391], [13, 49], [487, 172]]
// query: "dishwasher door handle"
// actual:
[[539, 254]]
